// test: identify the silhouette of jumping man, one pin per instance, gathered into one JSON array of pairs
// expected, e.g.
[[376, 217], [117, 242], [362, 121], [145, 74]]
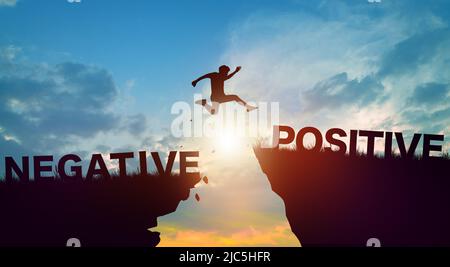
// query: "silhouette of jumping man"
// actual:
[[217, 90]]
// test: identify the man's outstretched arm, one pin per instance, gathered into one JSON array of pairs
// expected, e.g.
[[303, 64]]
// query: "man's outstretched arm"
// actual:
[[194, 83], [234, 72]]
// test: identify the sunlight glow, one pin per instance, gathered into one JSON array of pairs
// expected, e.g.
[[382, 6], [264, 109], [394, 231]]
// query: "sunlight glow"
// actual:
[[229, 143]]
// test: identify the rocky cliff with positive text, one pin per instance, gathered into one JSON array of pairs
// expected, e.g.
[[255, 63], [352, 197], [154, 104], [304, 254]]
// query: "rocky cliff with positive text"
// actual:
[[338, 200]]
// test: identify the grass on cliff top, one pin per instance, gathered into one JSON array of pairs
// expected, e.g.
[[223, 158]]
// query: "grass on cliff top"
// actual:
[[327, 151], [114, 177]]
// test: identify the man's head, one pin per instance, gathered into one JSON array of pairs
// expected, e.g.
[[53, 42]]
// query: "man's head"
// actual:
[[224, 69]]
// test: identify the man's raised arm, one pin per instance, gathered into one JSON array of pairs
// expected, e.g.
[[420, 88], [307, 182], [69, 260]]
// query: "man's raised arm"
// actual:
[[234, 72], [194, 83]]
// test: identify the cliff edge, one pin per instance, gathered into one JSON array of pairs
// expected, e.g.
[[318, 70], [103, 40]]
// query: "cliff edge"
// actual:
[[103, 212], [338, 200]]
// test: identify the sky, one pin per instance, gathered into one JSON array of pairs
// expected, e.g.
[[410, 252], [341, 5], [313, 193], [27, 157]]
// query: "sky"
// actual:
[[101, 76]]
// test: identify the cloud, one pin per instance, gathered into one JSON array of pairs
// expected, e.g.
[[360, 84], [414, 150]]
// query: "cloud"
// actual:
[[68, 100], [430, 94], [275, 235], [8, 3], [8, 53], [429, 122], [298, 50], [410, 55], [136, 124], [339, 90], [348, 64], [45, 108]]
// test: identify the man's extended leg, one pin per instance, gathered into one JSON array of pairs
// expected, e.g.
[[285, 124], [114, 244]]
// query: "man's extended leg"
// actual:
[[229, 98]]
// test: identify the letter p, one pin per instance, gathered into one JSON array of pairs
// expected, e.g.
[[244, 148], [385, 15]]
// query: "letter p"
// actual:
[[277, 140]]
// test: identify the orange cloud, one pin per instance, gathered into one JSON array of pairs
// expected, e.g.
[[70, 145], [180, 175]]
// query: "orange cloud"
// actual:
[[279, 235]]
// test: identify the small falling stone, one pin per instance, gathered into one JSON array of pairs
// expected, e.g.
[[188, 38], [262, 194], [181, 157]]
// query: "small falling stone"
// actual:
[[197, 197], [213, 151], [205, 179], [181, 146]]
